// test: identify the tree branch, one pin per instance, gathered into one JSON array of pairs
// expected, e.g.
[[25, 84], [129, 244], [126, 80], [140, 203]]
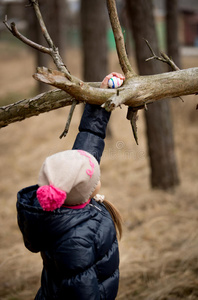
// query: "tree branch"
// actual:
[[12, 28], [53, 49], [64, 133], [27, 108], [81, 92], [164, 58], [41, 103], [170, 62], [119, 40], [142, 90], [138, 91], [46, 35]]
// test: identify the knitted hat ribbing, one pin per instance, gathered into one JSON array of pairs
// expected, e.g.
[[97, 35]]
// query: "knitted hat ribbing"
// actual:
[[75, 172]]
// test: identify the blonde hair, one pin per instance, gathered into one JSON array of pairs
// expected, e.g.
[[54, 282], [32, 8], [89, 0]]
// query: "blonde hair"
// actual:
[[116, 216]]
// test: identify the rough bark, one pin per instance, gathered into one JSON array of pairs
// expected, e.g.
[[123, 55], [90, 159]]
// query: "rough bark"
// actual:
[[158, 119], [27, 108]]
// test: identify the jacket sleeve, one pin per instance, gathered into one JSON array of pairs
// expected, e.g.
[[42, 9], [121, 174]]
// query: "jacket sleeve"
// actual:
[[92, 130]]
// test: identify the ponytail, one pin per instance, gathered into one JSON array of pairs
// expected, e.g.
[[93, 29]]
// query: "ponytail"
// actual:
[[116, 217]]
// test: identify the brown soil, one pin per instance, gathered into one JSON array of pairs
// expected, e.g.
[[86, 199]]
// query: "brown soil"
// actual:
[[159, 249]]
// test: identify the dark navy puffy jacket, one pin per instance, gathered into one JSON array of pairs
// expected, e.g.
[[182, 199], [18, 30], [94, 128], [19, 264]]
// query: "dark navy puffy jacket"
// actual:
[[79, 247]]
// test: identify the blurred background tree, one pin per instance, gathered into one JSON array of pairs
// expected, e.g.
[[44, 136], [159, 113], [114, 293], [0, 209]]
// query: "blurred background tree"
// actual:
[[172, 31], [94, 39], [160, 142]]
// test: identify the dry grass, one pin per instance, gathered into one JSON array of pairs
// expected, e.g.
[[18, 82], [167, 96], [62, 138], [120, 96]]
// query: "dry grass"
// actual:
[[159, 249]]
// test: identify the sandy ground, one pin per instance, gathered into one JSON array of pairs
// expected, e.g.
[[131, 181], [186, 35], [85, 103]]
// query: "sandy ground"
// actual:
[[159, 248]]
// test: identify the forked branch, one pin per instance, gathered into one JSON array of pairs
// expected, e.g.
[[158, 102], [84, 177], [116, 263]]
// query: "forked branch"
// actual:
[[12, 28], [164, 58], [52, 50]]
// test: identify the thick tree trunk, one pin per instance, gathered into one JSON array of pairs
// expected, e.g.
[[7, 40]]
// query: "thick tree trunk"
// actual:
[[94, 39], [158, 119], [172, 32]]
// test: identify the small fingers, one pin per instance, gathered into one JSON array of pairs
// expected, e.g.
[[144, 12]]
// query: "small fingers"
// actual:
[[104, 83], [119, 75]]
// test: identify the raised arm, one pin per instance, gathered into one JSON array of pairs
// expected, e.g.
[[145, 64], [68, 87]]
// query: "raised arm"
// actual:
[[92, 128]]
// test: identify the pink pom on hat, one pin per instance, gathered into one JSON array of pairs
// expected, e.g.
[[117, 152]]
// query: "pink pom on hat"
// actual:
[[68, 177], [50, 197]]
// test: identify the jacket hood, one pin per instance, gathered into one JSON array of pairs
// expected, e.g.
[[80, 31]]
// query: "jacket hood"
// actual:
[[41, 229]]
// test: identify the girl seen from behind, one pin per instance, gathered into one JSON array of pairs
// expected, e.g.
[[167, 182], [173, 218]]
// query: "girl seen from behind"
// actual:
[[64, 219]]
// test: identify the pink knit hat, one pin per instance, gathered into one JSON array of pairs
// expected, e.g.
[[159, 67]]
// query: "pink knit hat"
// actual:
[[68, 177]]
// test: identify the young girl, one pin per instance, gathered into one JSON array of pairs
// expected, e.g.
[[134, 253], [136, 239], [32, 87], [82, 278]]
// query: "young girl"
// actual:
[[59, 217]]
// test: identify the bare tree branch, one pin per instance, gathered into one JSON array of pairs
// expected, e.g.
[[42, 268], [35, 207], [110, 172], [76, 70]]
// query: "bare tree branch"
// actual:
[[138, 91], [81, 92], [41, 103], [142, 90], [47, 37], [12, 28], [119, 40], [164, 58], [53, 49], [27, 108], [170, 62], [64, 133]]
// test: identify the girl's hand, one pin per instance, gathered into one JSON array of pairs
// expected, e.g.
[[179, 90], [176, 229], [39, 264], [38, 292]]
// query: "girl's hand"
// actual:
[[104, 84]]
